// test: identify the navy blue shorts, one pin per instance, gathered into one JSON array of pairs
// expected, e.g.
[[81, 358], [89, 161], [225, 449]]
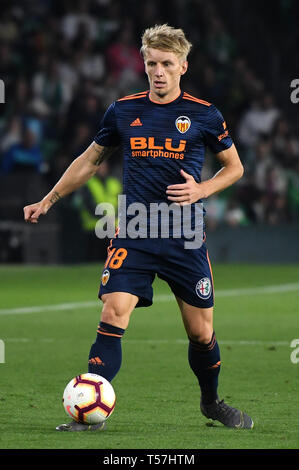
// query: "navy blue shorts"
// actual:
[[132, 265]]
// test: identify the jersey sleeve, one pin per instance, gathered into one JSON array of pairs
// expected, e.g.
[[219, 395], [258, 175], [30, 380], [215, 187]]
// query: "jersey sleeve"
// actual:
[[216, 133], [108, 135]]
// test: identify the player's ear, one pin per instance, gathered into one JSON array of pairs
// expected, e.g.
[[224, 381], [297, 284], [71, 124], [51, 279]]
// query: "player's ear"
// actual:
[[184, 67]]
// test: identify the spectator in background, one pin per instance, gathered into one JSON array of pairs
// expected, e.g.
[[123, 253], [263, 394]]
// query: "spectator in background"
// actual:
[[83, 117], [12, 134], [124, 59], [90, 63], [285, 144], [219, 44], [258, 120], [278, 212], [109, 22], [211, 88], [269, 181], [23, 156], [8, 67], [276, 201], [74, 19], [48, 87], [91, 112], [259, 207], [101, 188], [281, 135], [242, 87], [68, 71], [235, 214], [215, 212], [276, 182], [8, 27], [150, 14], [262, 163], [293, 191], [81, 139]]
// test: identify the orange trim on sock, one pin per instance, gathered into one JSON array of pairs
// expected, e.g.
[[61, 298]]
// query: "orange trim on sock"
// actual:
[[109, 334], [215, 365]]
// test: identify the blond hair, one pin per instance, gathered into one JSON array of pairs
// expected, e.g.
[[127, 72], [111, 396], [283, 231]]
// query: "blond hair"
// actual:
[[166, 38]]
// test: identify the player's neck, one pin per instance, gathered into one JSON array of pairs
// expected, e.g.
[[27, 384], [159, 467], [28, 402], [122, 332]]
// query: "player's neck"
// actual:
[[167, 98]]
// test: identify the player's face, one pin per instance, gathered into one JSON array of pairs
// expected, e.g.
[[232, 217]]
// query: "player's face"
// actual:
[[164, 70]]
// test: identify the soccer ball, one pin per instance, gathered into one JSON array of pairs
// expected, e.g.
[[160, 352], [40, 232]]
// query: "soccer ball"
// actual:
[[89, 399]]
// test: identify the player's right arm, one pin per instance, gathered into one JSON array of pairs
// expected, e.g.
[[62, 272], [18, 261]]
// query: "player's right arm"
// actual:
[[75, 176]]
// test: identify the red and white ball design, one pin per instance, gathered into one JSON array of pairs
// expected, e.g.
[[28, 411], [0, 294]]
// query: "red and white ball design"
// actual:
[[89, 399]]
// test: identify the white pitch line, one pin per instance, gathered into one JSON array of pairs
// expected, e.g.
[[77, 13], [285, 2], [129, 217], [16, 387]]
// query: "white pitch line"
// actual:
[[274, 289]]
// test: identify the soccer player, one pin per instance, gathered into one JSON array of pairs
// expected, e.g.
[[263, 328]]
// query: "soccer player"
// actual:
[[164, 133]]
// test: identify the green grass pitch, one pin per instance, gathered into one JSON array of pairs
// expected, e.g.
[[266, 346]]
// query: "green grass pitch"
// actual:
[[157, 395]]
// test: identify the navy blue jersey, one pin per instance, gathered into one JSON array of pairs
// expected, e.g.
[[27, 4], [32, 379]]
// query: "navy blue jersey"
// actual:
[[159, 140]]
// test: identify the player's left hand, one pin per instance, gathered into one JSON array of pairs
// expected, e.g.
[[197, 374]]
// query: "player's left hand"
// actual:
[[185, 193]]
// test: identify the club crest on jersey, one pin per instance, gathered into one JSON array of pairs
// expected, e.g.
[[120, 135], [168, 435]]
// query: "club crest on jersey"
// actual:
[[105, 277], [182, 124], [204, 288]]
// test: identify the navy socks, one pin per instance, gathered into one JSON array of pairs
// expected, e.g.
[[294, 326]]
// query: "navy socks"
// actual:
[[105, 359], [105, 354], [204, 360]]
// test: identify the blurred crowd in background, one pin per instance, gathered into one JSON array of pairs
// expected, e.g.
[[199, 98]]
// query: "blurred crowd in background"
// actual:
[[64, 62]]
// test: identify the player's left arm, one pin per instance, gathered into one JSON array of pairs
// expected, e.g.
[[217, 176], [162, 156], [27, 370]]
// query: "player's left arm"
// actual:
[[191, 191]]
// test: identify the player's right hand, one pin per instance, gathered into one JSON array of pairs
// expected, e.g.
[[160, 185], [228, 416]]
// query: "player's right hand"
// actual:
[[33, 211]]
